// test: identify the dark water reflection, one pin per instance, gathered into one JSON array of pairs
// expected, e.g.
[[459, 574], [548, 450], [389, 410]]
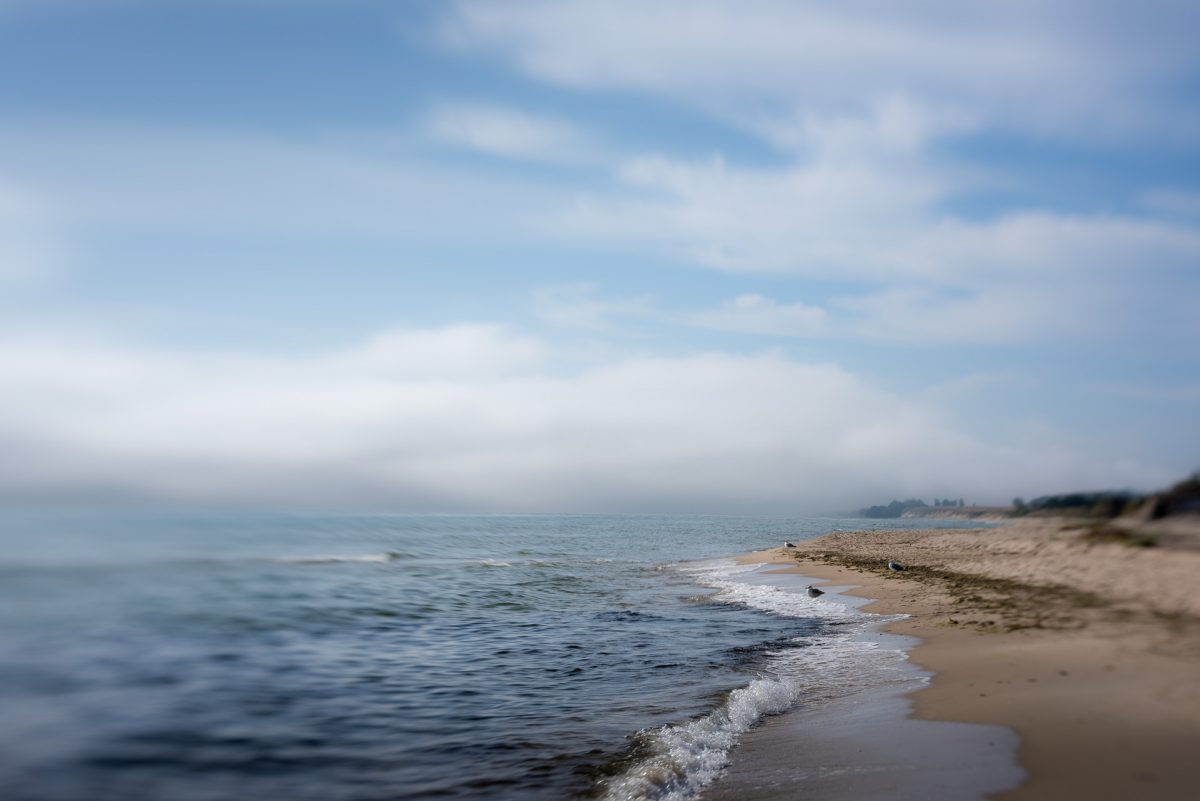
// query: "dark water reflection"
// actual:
[[211, 657]]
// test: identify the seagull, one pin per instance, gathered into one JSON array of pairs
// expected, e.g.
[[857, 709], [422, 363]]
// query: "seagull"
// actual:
[[787, 544], [895, 566], [813, 592]]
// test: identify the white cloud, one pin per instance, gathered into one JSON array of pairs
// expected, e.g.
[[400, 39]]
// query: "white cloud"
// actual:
[[340, 183], [890, 126], [1073, 68], [577, 306], [1034, 244], [755, 314], [816, 219], [406, 422], [845, 207], [1002, 314], [854, 210], [855, 100], [863, 203], [511, 133], [859, 97], [460, 351]]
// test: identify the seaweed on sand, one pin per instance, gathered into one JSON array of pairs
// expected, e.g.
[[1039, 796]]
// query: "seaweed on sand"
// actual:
[[991, 603]]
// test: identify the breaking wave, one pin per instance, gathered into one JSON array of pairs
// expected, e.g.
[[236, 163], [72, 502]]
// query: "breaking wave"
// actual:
[[325, 558], [678, 760]]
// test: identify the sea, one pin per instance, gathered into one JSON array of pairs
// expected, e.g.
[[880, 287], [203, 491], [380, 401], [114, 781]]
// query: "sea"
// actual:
[[204, 656]]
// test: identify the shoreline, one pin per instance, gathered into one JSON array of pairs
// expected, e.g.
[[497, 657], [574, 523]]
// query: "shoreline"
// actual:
[[1088, 652]]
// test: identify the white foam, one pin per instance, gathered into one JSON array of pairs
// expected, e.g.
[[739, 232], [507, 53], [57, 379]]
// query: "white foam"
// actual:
[[684, 758], [852, 657], [325, 558]]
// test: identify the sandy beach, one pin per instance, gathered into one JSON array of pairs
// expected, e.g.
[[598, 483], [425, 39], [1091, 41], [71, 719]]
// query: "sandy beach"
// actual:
[[1087, 648]]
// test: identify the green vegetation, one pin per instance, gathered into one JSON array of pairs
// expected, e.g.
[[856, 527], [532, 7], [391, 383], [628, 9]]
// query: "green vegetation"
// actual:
[[1107, 504], [893, 509], [1102, 532], [1183, 498], [898, 508]]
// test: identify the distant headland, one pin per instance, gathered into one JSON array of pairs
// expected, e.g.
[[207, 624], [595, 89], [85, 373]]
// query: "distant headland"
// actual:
[[1180, 500]]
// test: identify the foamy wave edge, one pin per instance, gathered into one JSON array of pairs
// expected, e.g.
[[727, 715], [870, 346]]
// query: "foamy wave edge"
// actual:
[[328, 558], [685, 758]]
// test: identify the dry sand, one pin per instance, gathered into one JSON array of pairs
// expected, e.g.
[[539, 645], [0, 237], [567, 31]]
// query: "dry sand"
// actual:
[[1088, 649]]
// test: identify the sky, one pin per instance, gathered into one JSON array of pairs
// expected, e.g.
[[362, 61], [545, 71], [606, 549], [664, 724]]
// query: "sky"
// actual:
[[665, 256]]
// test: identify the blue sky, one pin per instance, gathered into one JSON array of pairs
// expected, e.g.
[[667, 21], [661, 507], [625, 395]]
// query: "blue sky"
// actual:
[[660, 256]]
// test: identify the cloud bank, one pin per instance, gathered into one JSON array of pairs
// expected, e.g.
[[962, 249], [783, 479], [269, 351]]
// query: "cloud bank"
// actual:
[[482, 418], [674, 189]]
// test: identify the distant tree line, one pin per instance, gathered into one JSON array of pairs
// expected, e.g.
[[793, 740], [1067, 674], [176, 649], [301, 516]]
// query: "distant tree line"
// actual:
[[898, 508], [1109, 503], [944, 502], [1182, 498]]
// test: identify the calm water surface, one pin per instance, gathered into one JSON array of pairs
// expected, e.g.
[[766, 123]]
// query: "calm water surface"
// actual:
[[381, 657]]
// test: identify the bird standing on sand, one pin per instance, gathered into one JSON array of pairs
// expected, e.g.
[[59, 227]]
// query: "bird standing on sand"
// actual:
[[787, 544], [895, 566], [813, 592]]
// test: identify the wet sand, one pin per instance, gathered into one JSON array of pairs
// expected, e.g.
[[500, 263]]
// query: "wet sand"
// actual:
[[866, 748], [1088, 651]]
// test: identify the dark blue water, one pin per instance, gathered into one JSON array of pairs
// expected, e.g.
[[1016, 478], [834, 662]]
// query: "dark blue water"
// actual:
[[361, 657]]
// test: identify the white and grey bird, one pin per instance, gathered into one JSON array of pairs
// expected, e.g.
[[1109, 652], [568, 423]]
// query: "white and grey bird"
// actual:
[[787, 544], [895, 566], [813, 592]]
